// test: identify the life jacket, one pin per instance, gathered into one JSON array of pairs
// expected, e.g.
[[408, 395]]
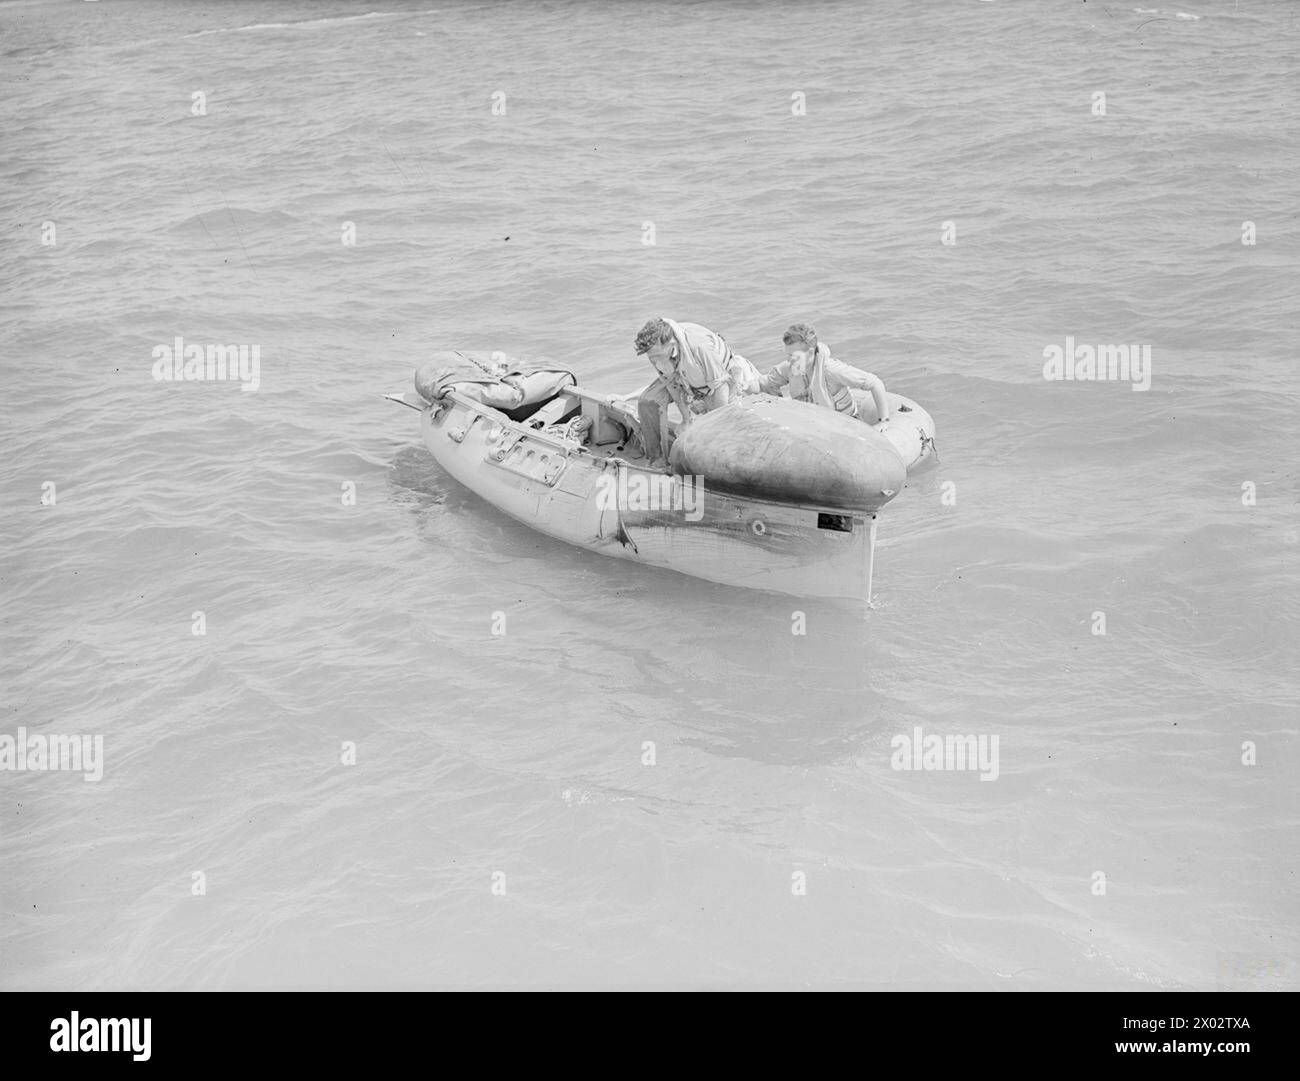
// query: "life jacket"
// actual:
[[702, 369], [842, 400]]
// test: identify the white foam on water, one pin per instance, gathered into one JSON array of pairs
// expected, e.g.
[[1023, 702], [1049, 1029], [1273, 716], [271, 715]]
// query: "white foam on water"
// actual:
[[303, 24]]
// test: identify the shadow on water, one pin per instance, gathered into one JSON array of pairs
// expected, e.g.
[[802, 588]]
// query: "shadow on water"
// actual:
[[794, 741], [755, 675], [736, 673], [803, 702], [415, 471]]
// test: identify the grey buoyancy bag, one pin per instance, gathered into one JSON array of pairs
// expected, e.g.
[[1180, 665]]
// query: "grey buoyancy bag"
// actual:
[[789, 451]]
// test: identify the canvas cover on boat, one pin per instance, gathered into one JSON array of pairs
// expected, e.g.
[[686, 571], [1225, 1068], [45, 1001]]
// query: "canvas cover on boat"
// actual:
[[789, 451], [492, 379]]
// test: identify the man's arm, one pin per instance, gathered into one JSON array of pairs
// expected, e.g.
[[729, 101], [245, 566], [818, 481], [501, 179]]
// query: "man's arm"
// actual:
[[860, 380], [681, 398], [773, 381], [717, 398]]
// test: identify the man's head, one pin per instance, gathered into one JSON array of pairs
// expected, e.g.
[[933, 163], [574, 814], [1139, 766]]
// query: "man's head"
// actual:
[[655, 339], [800, 342]]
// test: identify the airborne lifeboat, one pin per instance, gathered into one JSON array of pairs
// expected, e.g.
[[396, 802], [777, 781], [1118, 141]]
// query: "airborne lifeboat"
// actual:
[[765, 493]]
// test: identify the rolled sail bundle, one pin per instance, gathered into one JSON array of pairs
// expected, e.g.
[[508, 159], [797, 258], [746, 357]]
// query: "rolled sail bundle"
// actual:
[[791, 452], [494, 379]]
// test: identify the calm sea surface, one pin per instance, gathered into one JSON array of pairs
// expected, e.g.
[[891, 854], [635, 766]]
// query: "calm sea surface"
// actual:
[[228, 846]]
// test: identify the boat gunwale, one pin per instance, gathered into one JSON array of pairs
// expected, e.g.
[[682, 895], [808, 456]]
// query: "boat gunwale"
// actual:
[[606, 461], [521, 426]]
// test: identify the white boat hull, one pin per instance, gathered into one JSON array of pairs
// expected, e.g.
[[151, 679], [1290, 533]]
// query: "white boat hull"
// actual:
[[564, 491]]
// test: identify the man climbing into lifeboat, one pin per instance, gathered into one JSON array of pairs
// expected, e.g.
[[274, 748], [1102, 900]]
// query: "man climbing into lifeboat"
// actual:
[[696, 369], [812, 375]]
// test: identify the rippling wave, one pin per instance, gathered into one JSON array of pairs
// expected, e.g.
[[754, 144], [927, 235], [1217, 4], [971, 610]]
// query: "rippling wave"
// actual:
[[326, 622]]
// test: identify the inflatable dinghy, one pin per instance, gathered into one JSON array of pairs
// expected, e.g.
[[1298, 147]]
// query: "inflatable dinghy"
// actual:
[[765, 493]]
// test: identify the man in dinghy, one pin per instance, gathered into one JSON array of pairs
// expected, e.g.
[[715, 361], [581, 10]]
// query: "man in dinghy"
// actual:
[[812, 375], [697, 370]]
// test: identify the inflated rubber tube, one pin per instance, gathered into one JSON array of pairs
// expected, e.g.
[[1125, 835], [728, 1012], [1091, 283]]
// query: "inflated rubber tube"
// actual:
[[909, 429], [790, 452]]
